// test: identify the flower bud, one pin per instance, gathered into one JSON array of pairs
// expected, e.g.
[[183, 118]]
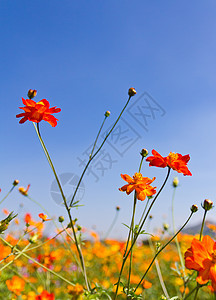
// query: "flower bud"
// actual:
[[144, 152], [157, 246], [207, 204], [165, 226], [107, 114], [32, 94], [79, 228], [117, 208], [61, 219], [131, 92], [16, 182], [194, 208], [175, 182], [33, 239]]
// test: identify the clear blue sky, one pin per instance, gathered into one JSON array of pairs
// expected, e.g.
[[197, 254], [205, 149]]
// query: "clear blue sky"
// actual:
[[83, 56]]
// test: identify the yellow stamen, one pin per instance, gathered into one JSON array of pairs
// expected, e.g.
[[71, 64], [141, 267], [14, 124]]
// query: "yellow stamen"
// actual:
[[173, 156], [137, 177]]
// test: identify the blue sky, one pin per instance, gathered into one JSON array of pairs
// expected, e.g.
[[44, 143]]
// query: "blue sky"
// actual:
[[83, 56]]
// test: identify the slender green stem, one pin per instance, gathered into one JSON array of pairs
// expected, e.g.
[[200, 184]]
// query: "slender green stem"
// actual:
[[191, 292], [132, 232], [7, 194], [200, 238], [112, 224], [202, 226], [147, 202], [137, 234], [65, 203], [176, 238], [97, 138], [162, 250], [196, 294], [93, 156], [35, 261], [159, 271], [141, 163], [132, 237]]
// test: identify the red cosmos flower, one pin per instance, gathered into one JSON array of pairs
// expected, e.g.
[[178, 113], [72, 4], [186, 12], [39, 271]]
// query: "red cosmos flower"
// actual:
[[201, 256], [28, 218], [38, 111], [175, 161], [45, 296], [140, 184]]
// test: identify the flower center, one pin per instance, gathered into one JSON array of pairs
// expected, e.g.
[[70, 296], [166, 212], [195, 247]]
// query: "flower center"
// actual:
[[137, 177], [173, 156], [214, 256]]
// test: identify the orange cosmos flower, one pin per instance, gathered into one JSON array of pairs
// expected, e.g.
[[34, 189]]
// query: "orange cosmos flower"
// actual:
[[43, 217], [76, 290], [38, 111], [16, 285], [140, 184], [201, 256], [175, 161]]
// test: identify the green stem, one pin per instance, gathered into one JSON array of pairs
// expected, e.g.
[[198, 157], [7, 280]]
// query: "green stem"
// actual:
[[112, 224], [203, 223], [147, 202], [159, 271], [141, 163], [176, 239], [191, 292], [7, 194], [162, 250], [132, 237], [65, 202], [91, 158], [137, 234], [97, 138], [132, 233], [197, 291], [200, 238]]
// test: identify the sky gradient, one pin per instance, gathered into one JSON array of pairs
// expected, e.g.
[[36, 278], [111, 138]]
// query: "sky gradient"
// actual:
[[83, 56]]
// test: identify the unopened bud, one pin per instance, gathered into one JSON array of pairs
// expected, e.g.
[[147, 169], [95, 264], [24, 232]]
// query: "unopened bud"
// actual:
[[32, 94], [117, 208], [207, 204], [16, 182], [131, 92], [157, 246], [194, 208], [33, 239], [144, 152], [79, 228], [165, 226], [107, 114], [175, 181], [150, 217], [61, 219]]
